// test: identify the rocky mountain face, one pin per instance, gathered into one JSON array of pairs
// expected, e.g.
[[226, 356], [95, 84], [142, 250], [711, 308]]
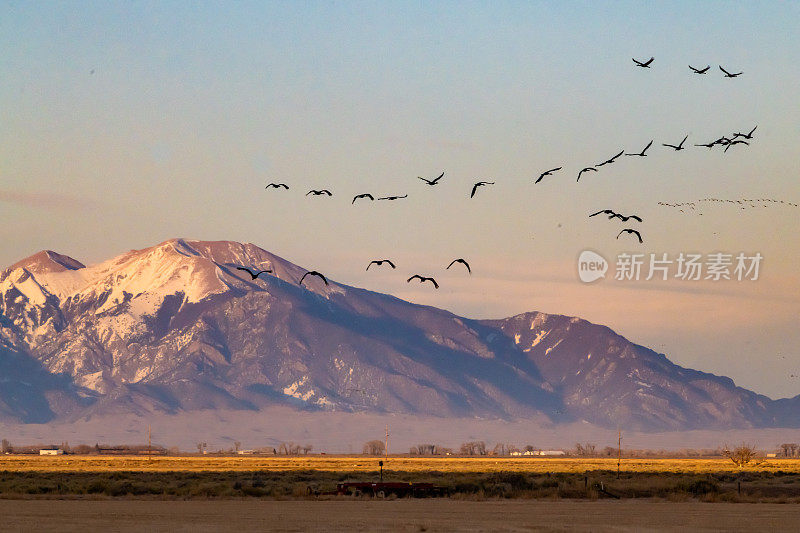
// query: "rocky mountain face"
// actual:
[[177, 327]]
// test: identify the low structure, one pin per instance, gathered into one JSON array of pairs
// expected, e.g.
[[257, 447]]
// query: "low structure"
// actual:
[[57, 451]]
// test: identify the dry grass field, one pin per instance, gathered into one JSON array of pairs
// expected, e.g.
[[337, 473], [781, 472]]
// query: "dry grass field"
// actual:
[[360, 463], [219, 477]]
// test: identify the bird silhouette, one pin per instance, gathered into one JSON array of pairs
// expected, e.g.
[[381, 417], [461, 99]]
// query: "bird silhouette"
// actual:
[[479, 184], [745, 136], [737, 141], [700, 71], [365, 195], [380, 262], [609, 161], [546, 173], [255, 274], [393, 197], [433, 181], [423, 279], [679, 147], [631, 231], [728, 74], [624, 218], [312, 273], [587, 169], [642, 153], [604, 211], [645, 64], [277, 186], [459, 260], [612, 214], [318, 192], [708, 145]]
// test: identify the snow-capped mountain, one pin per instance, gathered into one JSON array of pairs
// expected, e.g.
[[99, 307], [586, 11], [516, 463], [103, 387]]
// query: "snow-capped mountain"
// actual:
[[178, 327]]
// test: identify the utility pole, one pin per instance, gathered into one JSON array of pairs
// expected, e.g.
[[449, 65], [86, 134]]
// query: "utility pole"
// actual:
[[619, 451], [386, 445], [149, 451]]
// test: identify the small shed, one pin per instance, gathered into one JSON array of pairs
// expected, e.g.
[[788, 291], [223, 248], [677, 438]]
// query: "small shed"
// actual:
[[50, 451]]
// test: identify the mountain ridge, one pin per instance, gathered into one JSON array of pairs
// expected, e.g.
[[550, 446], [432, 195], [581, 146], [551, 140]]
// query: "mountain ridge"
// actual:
[[176, 327]]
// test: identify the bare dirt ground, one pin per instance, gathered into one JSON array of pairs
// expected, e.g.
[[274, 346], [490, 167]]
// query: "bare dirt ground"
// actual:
[[396, 515]]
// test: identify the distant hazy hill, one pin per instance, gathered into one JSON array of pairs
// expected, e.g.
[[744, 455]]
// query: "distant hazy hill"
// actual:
[[177, 328]]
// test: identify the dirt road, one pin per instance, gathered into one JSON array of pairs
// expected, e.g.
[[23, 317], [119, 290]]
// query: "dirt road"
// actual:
[[397, 515]]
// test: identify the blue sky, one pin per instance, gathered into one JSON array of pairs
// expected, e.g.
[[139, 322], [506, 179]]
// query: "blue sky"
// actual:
[[125, 124]]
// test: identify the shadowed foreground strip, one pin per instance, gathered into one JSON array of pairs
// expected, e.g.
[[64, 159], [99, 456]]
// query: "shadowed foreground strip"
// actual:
[[397, 515]]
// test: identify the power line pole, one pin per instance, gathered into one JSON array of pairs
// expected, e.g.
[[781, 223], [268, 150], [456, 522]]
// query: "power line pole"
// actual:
[[149, 451], [619, 451], [386, 445]]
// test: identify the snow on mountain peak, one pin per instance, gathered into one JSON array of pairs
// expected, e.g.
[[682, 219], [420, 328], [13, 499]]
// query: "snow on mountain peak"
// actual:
[[197, 269]]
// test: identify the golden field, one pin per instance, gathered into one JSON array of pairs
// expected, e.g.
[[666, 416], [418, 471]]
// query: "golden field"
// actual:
[[233, 477], [354, 464]]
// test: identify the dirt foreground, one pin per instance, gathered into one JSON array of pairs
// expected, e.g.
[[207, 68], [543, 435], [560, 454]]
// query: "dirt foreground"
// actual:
[[395, 515]]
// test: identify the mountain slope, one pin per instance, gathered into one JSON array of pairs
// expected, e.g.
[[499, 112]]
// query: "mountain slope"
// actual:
[[177, 327]]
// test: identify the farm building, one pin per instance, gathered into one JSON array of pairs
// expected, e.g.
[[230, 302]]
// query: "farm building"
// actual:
[[57, 451]]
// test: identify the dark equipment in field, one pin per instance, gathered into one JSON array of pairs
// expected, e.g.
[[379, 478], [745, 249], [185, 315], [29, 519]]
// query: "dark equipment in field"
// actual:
[[383, 490]]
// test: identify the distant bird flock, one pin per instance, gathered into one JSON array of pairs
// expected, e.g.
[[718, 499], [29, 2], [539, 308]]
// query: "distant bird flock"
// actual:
[[742, 203]]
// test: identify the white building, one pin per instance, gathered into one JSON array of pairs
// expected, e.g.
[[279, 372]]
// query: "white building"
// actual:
[[51, 452], [550, 452]]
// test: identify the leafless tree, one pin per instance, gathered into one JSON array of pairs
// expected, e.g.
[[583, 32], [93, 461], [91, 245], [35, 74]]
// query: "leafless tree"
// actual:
[[373, 447], [585, 449], [200, 447], [473, 448], [5, 446], [426, 449], [529, 448], [236, 446], [786, 449], [742, 455], [789, 449], [307, 448]]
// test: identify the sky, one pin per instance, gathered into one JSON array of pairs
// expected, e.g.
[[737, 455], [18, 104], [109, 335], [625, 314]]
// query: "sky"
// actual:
[[124, 124]]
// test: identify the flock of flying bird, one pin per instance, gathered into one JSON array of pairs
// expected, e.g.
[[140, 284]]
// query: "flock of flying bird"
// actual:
[[422, 279], [646, 64], [735, 138], [369, 196], [724, 141], [742, 203]]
